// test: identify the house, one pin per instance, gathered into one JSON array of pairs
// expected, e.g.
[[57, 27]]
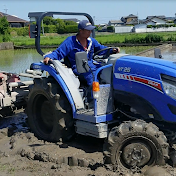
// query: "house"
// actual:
[[14, 21], [167, 19], [115, 23], [123, 29], [140, 26], [155, 20], [102, 25], [160, 16], [170, 19], [129, 18], [133, 22]]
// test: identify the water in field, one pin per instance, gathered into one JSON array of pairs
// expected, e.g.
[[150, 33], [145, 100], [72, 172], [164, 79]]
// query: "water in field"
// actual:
[[170, 55], [17, 61]]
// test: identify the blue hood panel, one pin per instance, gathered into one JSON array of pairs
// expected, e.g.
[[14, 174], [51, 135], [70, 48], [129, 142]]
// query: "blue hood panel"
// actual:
[[151, 60], [145, 66]]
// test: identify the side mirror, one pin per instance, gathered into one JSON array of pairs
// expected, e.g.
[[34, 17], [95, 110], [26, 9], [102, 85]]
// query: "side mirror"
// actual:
[[82, 62]]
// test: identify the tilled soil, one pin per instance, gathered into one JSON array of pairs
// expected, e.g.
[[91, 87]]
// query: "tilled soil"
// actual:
[[22, 154]]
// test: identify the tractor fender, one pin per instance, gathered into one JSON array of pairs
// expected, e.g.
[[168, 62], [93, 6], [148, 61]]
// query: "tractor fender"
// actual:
[[67, 80]]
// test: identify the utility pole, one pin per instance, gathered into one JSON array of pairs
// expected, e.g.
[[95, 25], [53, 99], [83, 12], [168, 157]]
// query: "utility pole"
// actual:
[[43, 28], [5, 9], [94, 18]]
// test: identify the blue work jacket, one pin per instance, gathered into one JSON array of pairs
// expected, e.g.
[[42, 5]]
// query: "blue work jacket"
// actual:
[[70, 46]]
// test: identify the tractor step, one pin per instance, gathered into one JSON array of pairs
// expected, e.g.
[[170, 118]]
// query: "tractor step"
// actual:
[[99, 130]]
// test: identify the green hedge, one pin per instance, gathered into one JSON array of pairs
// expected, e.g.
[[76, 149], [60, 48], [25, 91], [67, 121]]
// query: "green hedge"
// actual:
[[149, 38], [5, 38], [161, 26], [23, 31], [110, 29], [71, 29], [50, 29]]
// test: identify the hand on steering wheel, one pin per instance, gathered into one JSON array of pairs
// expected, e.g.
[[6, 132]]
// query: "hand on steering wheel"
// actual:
[[108, 52]]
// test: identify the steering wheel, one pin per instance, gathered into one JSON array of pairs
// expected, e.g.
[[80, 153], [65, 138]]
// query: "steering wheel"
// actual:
[[106, 55]]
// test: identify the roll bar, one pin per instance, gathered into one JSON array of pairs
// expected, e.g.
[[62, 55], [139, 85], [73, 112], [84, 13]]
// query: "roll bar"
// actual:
[[35, 29]]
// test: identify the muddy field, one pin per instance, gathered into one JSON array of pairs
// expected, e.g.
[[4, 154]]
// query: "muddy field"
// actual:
[[22, 154]]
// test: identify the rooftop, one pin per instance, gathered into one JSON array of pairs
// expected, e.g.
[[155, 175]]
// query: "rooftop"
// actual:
[[12, 18]]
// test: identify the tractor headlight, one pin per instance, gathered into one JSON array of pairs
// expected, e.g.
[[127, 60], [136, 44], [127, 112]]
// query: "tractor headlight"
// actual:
[[170, 89], [169, 85]]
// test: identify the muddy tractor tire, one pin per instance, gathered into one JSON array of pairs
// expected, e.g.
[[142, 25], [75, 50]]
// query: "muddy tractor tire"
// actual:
[[49, 112], [136, 144]]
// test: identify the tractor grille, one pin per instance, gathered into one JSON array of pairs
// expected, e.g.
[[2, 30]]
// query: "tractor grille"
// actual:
[[105, 100]]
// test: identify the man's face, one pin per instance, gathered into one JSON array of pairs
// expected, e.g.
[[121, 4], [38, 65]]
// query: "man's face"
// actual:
[[85, 33]]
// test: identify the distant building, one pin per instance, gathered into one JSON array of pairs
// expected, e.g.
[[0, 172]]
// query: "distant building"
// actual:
[[129, 18], [170, 19], [123, 29], [132, 22], [141, 26], [155, 20], [13, 20], [115, 23], [102, 25], [159, 16]]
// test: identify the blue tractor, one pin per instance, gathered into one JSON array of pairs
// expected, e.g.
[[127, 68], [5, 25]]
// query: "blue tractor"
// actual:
[[131, 104]]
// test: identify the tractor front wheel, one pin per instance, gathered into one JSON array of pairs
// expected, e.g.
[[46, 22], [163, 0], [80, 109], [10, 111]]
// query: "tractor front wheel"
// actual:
[[136, 144]]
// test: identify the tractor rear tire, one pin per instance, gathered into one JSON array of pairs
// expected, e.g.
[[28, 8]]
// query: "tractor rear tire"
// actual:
[[49, 111], [136, 144]]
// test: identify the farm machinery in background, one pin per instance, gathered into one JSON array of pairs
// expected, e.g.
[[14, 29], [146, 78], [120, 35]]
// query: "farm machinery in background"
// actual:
[[14, 92]]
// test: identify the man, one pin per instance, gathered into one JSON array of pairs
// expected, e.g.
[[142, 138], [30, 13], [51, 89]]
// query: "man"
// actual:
[[81, 42]]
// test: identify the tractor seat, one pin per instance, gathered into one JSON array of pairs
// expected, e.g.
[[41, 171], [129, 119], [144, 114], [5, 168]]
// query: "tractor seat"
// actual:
[[83, 82]]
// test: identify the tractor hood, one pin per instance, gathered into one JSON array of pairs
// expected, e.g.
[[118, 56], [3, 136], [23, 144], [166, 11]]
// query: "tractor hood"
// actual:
[[144, 66], [150, 60]]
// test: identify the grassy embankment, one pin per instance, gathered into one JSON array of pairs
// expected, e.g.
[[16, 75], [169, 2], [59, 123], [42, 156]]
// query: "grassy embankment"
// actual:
[[105, 39]]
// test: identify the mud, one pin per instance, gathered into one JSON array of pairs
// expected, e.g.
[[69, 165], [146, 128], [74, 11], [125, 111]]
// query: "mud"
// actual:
[[21, 153]]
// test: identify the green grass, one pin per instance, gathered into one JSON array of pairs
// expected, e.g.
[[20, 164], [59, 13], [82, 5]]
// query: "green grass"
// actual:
[[135, 49], [45, 40], [103, 38]]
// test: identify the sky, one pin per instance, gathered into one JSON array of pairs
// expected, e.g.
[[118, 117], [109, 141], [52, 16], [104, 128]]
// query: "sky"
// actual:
[[102, 11]]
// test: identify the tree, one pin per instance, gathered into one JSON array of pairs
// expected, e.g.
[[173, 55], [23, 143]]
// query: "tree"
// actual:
[[48, 20], [4, 29], [4, 26], [69, 22], [60, 25]]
